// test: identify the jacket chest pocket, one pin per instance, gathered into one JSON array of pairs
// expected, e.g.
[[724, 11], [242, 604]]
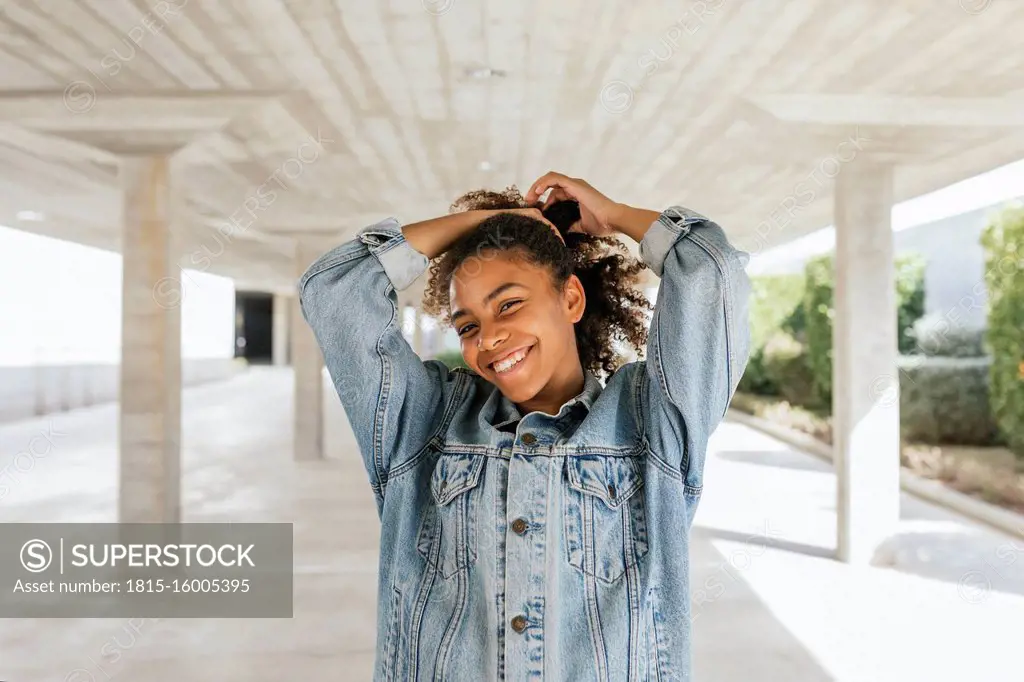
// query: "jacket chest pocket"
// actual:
[[448, 534], [605, 518]]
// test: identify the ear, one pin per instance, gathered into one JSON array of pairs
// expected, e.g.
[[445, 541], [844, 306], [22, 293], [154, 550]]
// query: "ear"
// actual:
[[574, 300]]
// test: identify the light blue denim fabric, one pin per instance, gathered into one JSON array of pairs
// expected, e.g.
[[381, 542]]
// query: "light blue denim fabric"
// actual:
[[594, 582]]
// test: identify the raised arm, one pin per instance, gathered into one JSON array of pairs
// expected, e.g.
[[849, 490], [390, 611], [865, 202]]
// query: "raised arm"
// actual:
[[348, 297], [699, 337], [393, 400]]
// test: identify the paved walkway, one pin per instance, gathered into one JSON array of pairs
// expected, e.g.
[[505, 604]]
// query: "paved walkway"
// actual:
[[770, 602]]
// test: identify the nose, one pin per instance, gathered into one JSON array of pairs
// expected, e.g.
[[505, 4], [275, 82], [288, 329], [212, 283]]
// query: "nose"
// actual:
[[491, 338]]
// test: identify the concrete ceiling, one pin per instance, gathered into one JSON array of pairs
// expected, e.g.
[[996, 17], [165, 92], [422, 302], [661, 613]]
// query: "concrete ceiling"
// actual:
[[309, 119]]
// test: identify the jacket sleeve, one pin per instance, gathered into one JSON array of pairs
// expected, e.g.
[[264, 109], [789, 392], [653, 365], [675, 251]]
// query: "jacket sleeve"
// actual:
[[392, 398], [699, 337]]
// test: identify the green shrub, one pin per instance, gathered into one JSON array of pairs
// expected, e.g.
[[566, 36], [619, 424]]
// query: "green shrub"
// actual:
[[774, 299], [819, 311], [755, 378], [785, 361], [935, 336], [1003, 241], [452, 358], [946, 400], [796, 323], [909, 298]]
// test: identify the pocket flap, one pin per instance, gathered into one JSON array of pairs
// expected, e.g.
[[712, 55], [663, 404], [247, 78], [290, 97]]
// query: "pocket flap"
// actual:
[[454, 475], [613, 479]]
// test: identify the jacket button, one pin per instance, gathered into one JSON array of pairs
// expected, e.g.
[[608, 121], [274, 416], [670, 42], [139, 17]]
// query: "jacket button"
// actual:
[[529, 438], [519, 526], [611, 492], [519, 624]]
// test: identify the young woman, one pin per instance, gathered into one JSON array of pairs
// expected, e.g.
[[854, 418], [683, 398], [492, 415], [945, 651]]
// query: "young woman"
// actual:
[[535, 522]]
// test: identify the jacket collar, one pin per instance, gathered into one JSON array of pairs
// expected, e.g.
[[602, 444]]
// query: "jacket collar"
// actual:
[[507, 414]]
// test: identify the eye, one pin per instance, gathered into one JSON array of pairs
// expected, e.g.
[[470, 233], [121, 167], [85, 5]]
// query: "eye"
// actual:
[[464, 329], [505, 306]]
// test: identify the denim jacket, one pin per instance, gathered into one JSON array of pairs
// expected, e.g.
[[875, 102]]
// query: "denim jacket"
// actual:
[[537, 546]]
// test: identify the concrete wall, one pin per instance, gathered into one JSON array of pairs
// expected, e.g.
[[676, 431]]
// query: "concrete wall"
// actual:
[[954, 279], [28, 391]]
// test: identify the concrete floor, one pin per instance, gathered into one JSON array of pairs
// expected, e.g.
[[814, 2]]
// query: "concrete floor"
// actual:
[[769, 601]]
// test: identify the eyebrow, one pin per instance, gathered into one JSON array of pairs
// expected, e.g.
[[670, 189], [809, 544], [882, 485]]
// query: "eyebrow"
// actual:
[[488, 298]]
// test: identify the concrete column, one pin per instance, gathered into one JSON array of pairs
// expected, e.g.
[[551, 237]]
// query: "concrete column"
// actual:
[[279, 339], [865, 377], [308, 365], [150, 399]]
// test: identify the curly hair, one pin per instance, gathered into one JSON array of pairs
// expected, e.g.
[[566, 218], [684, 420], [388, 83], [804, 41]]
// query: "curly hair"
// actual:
[[615, 306]]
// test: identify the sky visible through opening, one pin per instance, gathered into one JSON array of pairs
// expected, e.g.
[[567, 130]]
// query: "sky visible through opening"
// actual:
[[60, 303]]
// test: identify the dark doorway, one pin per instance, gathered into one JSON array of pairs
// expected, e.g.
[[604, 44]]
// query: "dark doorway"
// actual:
[[254, 327]]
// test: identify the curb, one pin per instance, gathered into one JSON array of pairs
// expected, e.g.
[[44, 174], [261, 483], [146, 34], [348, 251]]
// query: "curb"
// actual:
[[1006, 521]]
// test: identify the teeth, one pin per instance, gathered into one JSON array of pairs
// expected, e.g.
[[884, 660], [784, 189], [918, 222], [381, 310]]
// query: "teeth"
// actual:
[[510, 362]]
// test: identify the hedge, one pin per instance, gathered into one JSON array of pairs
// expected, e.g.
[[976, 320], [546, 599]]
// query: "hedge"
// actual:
[[773, 299], [774, 302], [909, 299], [946, 400], [819, 311], [934, 335], [1003, 241], [785, 361], [452, 358]]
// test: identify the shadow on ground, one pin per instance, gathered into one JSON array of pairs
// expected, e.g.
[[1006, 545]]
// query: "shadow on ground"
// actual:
[[781, 459], [736, 637]]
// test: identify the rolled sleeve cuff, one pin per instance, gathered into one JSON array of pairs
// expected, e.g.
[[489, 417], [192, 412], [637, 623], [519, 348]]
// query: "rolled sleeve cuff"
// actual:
[[401, 262], [673, 224]]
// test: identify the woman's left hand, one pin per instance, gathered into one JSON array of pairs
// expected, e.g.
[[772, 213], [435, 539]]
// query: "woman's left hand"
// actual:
[[596, 210]]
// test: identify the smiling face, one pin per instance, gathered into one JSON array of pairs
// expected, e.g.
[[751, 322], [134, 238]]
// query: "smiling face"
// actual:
[[515, 327]]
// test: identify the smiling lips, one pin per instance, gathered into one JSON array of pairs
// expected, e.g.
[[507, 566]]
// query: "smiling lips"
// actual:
[[511, 360]]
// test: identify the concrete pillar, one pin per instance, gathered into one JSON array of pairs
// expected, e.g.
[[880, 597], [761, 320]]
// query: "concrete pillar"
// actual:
[[865, 377], [279, 334], [150, 381], [308, 365]]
